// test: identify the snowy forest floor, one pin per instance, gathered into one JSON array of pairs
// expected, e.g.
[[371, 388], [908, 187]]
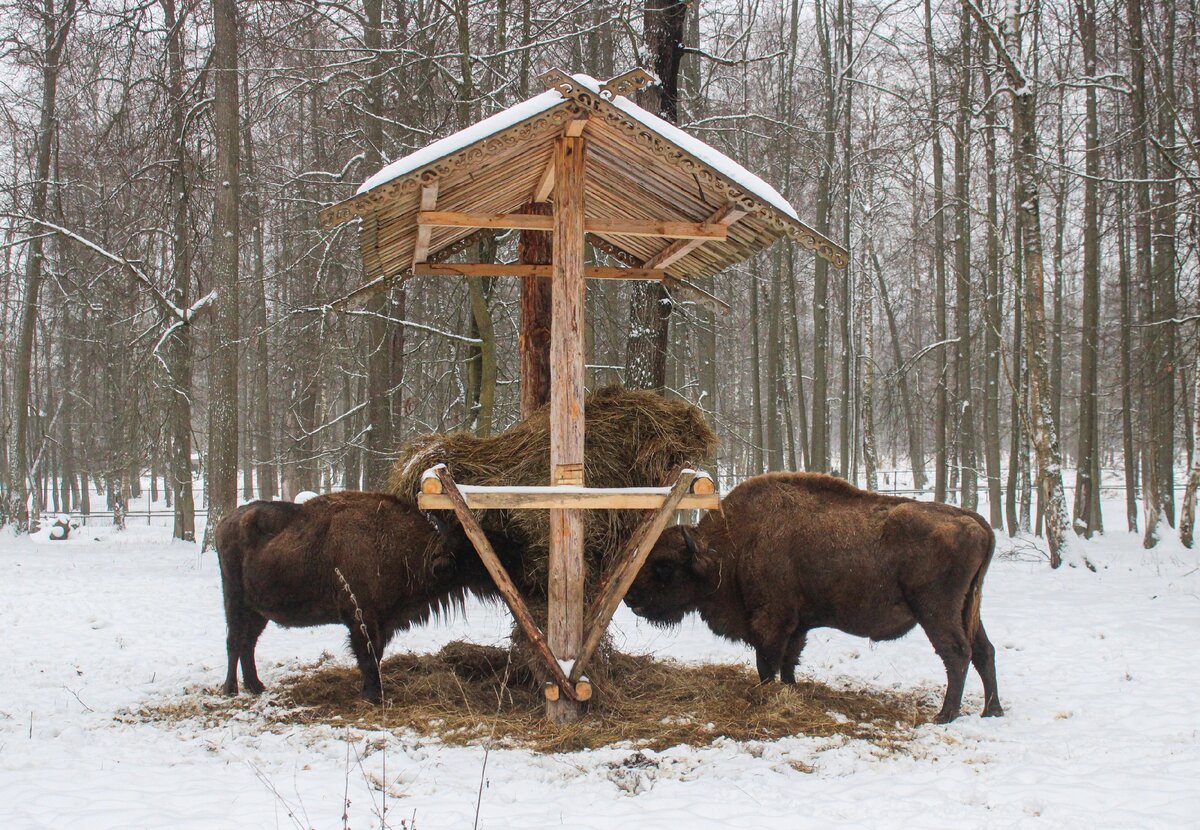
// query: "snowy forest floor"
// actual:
[[1098, 673]]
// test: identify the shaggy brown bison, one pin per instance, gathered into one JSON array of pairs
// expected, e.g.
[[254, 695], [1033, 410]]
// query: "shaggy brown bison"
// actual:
[[790, 552], [281, 562]]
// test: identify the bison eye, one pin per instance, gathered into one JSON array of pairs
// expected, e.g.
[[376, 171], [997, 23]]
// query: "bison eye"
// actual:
[[663, 572]]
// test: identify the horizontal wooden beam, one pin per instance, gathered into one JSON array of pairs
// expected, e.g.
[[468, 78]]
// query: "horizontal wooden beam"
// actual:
[[517, 269], [648, 227], [613, 227], [545, 498], [453, 219]]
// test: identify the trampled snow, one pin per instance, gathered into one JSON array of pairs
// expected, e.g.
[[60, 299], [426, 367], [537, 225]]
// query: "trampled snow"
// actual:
[[1097, 672]]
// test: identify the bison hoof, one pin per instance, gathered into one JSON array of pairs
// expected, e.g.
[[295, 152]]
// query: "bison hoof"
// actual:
[[945, 717], [254, 687], [229, 690], [372, 696], [993, 710]]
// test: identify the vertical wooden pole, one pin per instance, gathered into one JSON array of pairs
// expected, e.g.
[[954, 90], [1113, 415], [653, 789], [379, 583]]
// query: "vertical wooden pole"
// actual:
[[565, 591]]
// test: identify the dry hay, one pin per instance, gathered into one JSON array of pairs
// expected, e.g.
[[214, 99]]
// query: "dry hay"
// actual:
[[632, 439], [468, 694]]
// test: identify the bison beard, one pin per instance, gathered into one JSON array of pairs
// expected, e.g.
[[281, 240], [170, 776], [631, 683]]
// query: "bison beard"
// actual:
[[365, 560], [790, 552]]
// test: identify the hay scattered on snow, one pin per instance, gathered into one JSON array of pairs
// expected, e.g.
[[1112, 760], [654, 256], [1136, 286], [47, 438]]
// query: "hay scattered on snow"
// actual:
[[468, 694], [632, 439]]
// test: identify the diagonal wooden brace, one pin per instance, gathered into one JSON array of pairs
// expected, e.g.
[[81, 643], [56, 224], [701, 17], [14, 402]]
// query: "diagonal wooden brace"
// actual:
[[504, 583], [626, 570]]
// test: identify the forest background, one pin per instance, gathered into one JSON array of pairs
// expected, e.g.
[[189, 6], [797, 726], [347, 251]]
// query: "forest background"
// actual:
[[1017, 186]]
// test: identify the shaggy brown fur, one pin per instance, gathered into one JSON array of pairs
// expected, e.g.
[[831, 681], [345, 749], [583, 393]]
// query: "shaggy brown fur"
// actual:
[[633, 439], [281, 562], [790, 552]]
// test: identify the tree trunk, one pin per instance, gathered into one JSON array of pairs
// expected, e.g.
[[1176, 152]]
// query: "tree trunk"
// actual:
[[1163, 276], [941, 411], [223, 366], [533, 341], [54, 40], [818, 455], [1151, 422], [1187, 513], [649, 305], [916, 452], [1088, 518], [992, 308], [965, 410], [1043, 430]]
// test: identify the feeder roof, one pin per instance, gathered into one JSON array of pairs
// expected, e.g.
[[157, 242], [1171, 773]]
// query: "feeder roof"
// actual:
[[639, 167]]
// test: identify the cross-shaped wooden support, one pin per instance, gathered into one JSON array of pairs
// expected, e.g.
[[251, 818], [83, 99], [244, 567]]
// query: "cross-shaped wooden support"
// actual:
[[689, 489]]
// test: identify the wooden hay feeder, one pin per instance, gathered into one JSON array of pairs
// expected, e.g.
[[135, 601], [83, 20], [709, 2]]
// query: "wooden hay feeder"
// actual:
[[658, 200]]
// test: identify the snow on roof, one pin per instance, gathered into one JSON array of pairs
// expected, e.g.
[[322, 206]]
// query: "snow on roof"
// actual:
[[711, 156], [538, 104], [464, 138]]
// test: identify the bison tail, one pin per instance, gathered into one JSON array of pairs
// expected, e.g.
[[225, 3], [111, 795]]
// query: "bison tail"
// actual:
[[975, 592]]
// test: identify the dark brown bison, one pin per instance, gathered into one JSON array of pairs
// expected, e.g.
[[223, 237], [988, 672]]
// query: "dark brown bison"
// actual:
[[790, 552], [365, 560]]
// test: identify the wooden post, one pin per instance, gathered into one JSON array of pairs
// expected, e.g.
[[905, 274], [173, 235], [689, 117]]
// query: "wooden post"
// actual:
[[533, 341], [565, 591]]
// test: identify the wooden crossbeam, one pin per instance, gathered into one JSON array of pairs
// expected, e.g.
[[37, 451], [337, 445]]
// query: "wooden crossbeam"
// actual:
[[504, 583], [692, 231], [626, 570], [555, 496], [428, 202], [702, 231], [518, 269], [676, 251]]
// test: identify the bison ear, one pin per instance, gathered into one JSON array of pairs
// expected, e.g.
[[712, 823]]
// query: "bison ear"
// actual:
[[698, 559]]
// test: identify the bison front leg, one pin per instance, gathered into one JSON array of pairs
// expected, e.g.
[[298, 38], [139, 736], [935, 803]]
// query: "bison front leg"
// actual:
[[791, 656], [771, 634], [368, 651]]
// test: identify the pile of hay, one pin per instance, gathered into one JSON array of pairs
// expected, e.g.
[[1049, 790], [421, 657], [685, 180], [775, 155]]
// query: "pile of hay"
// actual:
[[632, 439], [468, 694]]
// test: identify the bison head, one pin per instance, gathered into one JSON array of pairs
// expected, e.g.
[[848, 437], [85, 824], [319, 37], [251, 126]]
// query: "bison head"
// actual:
[[673, 581]]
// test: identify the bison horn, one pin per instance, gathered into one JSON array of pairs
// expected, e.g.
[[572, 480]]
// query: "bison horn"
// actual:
[[690, 542]]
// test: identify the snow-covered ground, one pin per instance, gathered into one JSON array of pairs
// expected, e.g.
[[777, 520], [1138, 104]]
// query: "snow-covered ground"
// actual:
[[1098, 673]]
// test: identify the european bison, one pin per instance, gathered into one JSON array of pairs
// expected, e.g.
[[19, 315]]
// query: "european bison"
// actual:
[[281, 562], [790, 552]]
